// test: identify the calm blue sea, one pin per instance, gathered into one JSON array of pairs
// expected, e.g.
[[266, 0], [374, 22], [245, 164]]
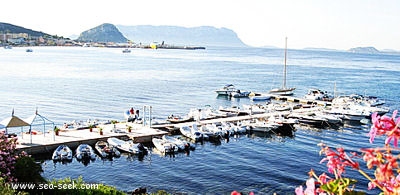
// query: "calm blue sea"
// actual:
[[67, 84]]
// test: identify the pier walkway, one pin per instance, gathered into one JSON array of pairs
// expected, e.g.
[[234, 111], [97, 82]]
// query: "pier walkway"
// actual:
[[44, 143]]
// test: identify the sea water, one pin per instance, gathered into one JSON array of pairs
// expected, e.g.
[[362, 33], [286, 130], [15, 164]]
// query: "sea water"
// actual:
[[73, 83]]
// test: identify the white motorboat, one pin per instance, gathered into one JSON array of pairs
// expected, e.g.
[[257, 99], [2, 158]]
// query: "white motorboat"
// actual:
[[263, 126], [192, 133], [211, 130], [85, 152], [310, 119], [331, 118], [181, 144], [79, 125], [127, 146], [126, 50], [317, 94], [105, 150], [232, 128], [226, 90], [164, 146], [61, 153], [240, 94], [349, 114], [202, 113], [253, 109], [179, 119]]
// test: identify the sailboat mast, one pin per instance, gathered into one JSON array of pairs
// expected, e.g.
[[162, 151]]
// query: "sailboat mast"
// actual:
[[284, 67]]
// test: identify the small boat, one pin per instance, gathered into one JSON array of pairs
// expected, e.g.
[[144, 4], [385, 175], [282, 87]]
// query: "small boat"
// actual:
[[105, 150], [226, 90], [126, 51], [317, 94], [192, 133], [85, 152], [240, 94], [79, 125], [179, 119], [61, 153], [181, 144], [164, 146], [260, 97], [29, 50], [127, 146], [310, 119], [232, 128], [263, 126]]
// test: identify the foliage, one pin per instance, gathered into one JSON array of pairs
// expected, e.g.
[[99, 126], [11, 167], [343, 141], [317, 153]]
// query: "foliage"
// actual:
[[7, 157], [5, 188], [386, 175], [56, 129], [97, 189], [27, 170]]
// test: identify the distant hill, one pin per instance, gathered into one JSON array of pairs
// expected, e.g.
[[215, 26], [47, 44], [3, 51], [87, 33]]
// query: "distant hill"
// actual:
[[10, 28], [103, 33], [175, 35], [370, 50], [319, 49]]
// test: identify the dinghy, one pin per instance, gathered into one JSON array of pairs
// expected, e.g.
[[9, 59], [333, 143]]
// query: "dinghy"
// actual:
[[105, 150], [61, 153], [127, 146], [85, 152], [164, 146]]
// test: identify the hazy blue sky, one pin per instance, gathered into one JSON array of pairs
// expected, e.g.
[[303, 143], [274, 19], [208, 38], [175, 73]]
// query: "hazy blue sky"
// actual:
[[337, 24]]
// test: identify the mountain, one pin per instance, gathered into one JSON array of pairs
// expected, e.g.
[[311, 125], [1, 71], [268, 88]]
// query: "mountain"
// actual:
[[103, 33], [10, 28], [176, 35], [370, 50]]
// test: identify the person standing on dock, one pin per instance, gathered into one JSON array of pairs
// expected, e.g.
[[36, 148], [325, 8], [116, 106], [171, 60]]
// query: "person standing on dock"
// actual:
[[137, 114]]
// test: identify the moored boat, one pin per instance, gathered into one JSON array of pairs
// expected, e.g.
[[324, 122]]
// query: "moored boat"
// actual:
[[260, 97], [283, 91], [105, 150], [263, 126], [126, 50], [164, 146], [317, 94], [127, 146], [240, 94], [226, 90], [85, 152], [181, 144], [61, 153], [192, 133], [179, 119]]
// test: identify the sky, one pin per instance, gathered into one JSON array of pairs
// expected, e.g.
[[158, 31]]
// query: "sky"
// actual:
[[334, 24]]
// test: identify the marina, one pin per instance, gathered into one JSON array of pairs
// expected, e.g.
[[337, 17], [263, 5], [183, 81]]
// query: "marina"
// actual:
[[102, 83], [141, 131]]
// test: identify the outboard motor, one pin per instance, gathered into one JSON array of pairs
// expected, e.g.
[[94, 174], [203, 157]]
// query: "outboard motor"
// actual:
[[141, 147]]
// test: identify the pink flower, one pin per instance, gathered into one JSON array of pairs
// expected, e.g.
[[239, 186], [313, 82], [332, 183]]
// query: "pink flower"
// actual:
[[384, 125]]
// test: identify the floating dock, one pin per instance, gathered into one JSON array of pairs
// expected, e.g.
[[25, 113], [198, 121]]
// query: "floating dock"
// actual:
[[48, 142]]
